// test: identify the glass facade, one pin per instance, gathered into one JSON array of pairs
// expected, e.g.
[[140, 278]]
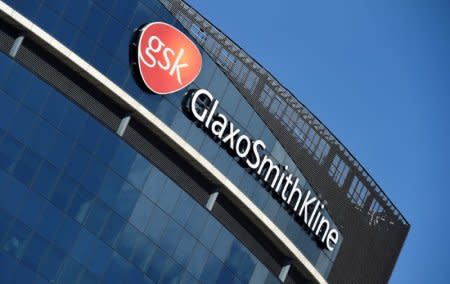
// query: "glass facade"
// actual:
[[81, 206], [76, 190]]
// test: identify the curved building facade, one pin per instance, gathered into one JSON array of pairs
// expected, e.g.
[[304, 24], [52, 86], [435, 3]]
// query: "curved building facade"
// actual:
[[229, 179]]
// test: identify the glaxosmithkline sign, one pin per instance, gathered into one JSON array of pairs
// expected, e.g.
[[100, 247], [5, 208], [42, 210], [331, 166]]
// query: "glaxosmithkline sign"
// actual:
[[203, 108], [169, 61]]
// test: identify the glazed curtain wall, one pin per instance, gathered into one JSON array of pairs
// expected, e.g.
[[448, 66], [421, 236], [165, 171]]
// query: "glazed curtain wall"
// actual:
[[101, 31]]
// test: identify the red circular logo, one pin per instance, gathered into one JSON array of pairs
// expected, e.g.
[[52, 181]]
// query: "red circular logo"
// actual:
[[168, 60]]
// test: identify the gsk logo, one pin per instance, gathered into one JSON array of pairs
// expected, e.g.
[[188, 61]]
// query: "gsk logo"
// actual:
[[168, 60]]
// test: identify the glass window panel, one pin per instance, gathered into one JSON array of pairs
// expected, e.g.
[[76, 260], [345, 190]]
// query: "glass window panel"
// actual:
[[154, 184], [98, 215], [123, 159], [93, 176], [40, 137], [15, 192], [141, 213], [125, 242], [184, 249], [80, 204], [46, 19], [94, 22], [71, 271], [211, 270], [156, 224], [16, 240], [51, 263], [8, 107], [197, 220], [45, 179], [112, 228], [23, 275], [36, 250], [75, 11], [183, 208], [139, 171], [59, 150], [8, 266], [50, 220], [63, 193], [67, 233], [17, 74], [143, 251], [31, 209], [171, 272], [126, 199], [169, 196], [24, 121], [156, 265], [170, 237], [210, 231], [198, 260]]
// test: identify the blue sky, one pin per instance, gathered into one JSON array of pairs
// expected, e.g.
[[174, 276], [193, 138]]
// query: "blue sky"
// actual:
[[377, 73]]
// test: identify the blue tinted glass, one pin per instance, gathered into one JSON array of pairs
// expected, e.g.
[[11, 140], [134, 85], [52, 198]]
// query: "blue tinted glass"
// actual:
[[8, 266], [93, 176], [50, 220], [112, 228], [45, 179], [9, 151], [110, 37], [123, 158], [17, 239], [41, 135], [14, 190], [23, 275], [56, 5], [54, 108], [50, 263], [171, 272], [184, 249], [71, 271], [157, 223], [59, 150], [36, 250], [198, 260], [26, 166], [169, 196], [46, 18], [63, 192], [80, 204], [156, 265], [141, 213], [154, 184], [75, 11], [67, 233], [210, 232], [170, 237], [11, 86], [183, 208], [23, 123], [143, 252], [139, 171], [125, 242], [5, 222], [212, 269], [8, 107], [73, 121], [94, 22], [98, 215], [196, 220], [32, 207]]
